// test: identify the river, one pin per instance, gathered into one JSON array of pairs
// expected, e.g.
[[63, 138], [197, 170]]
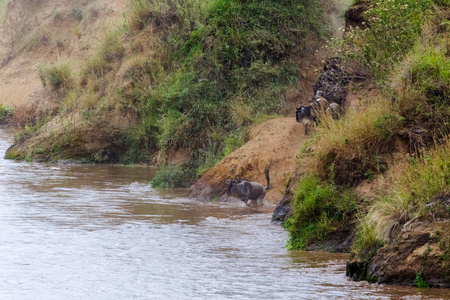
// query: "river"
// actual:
[[72, 231]]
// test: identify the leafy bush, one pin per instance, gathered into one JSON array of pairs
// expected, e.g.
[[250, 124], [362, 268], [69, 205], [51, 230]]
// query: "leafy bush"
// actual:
[[319, 209], [172, 177], [5, 113]]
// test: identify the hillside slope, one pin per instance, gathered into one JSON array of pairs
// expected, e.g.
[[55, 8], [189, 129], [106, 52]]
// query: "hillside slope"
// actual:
[[40, 32]]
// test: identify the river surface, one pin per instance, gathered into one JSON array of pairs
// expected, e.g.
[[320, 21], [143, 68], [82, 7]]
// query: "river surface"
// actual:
[[101, 232]]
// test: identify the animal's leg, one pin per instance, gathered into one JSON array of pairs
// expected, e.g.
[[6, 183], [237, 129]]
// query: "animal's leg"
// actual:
[[260, 200]]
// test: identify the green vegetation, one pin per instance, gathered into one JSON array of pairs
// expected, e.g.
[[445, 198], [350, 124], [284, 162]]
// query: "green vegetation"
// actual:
[[418, 280], [198, 74], [59, 75], [5, 113], [426, 178], [232, 67], [405, 49], [394, 27], [319, 209], [421, 84], [354, 145], [171, 177]]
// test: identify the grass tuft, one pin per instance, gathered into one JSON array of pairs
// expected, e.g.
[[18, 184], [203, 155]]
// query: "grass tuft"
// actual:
[[59, 75]]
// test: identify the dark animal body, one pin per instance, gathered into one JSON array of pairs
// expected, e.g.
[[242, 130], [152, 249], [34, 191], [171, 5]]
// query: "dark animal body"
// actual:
[[331, 86], [248, 190], [310, 113], [332, 81]]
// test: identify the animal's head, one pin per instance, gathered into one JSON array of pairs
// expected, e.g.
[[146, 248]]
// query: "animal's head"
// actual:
[[298, 112], [304, 112], [230, 183]]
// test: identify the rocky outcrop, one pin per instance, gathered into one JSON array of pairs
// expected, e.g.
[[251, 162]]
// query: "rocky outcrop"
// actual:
[[419, 255], [283, 210], [332, 82]]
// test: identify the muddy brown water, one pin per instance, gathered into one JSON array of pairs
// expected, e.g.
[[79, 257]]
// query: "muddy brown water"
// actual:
[[101, 232]]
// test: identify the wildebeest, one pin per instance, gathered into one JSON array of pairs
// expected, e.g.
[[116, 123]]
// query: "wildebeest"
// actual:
[[332, 81], [248, 190], [318, 106], [334, 109], [308, 113]]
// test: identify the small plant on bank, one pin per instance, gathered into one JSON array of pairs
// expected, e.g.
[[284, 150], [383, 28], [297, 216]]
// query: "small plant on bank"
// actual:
[[172, 177], [419, 281], [5, 113], [60, 75]]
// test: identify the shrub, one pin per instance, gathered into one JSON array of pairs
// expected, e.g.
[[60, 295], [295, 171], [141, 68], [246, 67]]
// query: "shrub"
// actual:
[[172, 177], [5, 113]]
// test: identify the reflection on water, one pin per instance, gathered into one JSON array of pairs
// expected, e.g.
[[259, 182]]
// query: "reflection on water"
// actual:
[[101, 232]]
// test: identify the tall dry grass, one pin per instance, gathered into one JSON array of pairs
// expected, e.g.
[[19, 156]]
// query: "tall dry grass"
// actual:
[[412, 197], [352, 147]]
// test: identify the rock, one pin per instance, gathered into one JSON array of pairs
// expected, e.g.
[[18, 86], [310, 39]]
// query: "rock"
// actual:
[[283, 210], [332, 82], [355, 269], [420, 249]]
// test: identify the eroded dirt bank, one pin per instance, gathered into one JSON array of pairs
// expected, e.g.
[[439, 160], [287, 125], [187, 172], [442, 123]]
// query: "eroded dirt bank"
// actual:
[[273, 145]]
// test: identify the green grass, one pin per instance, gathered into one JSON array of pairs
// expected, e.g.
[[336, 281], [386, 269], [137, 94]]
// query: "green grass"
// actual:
[[319, 209], [5, 113], [354, 145], [59, 75], [421, 84], [394, 27]]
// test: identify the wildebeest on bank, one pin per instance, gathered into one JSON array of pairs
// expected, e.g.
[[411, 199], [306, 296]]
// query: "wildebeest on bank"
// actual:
[[311, 113], [248, 190]]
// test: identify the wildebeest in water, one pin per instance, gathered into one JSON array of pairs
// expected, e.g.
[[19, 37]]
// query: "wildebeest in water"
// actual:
[[248, 190]]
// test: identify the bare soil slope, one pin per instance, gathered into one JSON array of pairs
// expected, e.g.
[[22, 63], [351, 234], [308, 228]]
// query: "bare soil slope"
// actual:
[[44, 31], [273, 145]]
